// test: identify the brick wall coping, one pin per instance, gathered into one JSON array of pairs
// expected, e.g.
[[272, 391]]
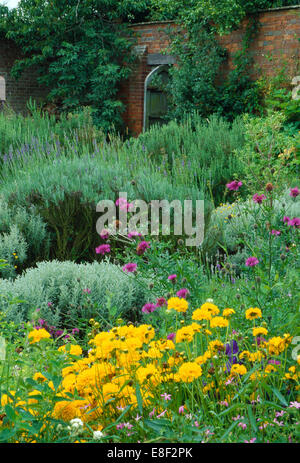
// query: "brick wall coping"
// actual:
[[280, 8]]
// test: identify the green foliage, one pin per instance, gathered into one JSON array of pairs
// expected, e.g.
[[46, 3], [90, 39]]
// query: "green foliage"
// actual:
[[62, 285], [200, 147], [80, 50], [226, 15], [24, 238], [270, 153], [21, 135]]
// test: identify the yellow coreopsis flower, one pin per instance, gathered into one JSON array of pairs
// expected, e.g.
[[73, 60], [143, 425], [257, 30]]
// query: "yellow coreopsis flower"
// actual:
[[228, 312], [75, 349], [178, 304], [237, 369], [189, 371], [210, 307], [253, 313], [219, 322], [37, 335], [260, 330]]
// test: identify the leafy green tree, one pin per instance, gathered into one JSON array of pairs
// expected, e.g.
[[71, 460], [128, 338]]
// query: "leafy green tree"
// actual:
[[80, 48], [225, 14]]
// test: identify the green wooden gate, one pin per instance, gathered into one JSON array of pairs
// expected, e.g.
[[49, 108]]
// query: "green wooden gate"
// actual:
[[155, 105]]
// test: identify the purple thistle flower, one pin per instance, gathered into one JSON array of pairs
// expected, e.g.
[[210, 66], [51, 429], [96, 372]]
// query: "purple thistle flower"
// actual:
[[234, 185], [251, 261], [148, 308], [183, 293]]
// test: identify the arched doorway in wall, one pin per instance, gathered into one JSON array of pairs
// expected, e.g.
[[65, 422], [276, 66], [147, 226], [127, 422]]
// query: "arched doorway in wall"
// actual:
[[155, 99]]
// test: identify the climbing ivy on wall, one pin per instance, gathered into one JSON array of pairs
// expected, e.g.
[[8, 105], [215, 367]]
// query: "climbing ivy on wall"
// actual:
[[80, 48], [198, 83]]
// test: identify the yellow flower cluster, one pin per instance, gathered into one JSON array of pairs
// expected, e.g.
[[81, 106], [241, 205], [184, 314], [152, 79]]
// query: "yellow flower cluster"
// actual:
[[178, 304], [37, 335], [94, 387]]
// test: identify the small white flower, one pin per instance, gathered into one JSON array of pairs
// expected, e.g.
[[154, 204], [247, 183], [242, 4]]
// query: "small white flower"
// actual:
[[76, 423], [97, 435], [209, 300]]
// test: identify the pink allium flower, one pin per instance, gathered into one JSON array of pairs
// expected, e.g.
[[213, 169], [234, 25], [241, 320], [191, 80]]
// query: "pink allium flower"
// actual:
[[124, 205], [103, 249], [148, 308], [133, 234], [130, 267], [160, 301], [172, 277], [171, 336], [234, 185], [121, 201], [183, 293], [295, 222], [142, 246], [104, 234], [251, 261], [258, 198], [294, 192], [275, 232]]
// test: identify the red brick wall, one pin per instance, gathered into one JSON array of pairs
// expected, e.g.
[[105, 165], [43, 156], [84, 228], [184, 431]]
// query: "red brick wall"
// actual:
[[275, 44], [18, 91]]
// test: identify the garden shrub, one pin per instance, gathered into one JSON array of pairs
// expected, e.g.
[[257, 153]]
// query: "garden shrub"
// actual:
[[199, 147], [234, 223], [20, 135], [24, 238], [57, 289], [65, 193], [269, 153]]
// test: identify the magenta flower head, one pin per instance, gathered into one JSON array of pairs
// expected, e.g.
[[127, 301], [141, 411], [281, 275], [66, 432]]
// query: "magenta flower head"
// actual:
[[103, 249], [258, 198], [104, 234], [129, 268], [142, 246], [148, 308], [172, 277], [133, 234], [252, 261], [294, 192], [295, 222], [275, 232], [86, 290], [234, 185], [183, 293], [286, 219], [160, 301], [121, 202], [171, 336]]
